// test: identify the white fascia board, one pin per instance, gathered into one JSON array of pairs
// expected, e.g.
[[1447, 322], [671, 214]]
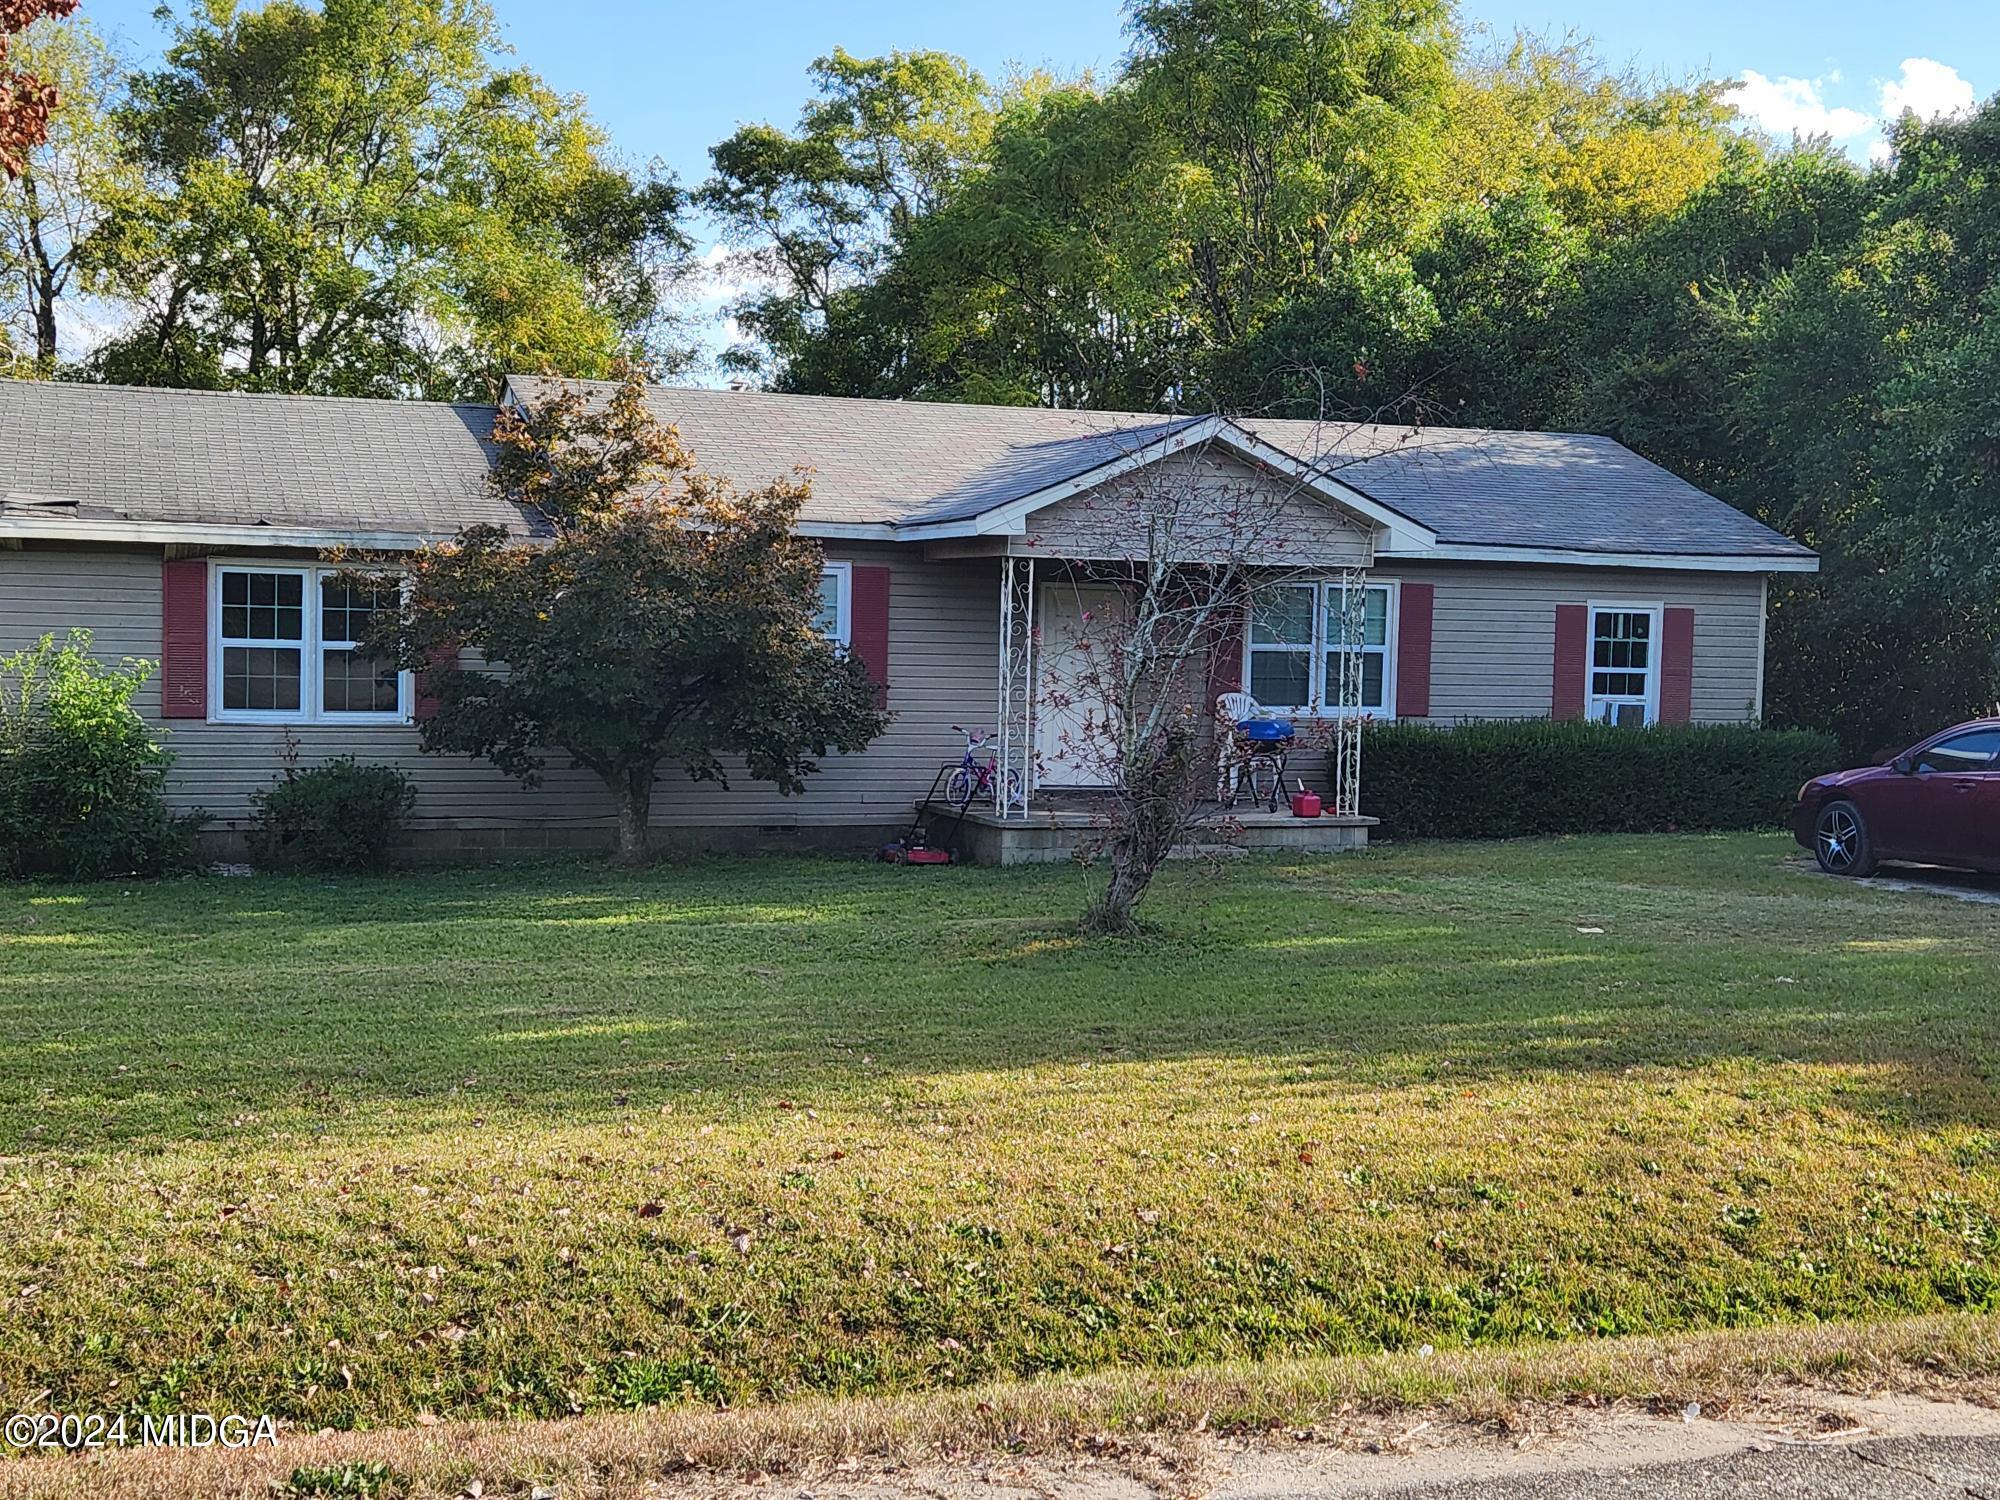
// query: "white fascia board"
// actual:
[[189, 533], [851, 531], [1676, 562]]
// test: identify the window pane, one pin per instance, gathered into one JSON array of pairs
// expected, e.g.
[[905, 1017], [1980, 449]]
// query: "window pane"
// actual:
[[347, 605], [1282, 616], [1963, 752], [827, 622], [263, 606], [1374, 672], [260, 678], [1374, 615], [354, 684], [1281, 679]]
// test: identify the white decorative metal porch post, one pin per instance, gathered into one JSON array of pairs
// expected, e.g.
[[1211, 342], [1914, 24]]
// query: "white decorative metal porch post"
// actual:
[[1015, 753], [1347, 704]]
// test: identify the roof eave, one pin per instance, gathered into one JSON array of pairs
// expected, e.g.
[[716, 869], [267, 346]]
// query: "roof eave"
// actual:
[[205, 534], [1576, 557]]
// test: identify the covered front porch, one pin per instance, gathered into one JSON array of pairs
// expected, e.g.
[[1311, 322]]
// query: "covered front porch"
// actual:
[[1160, 620], [1055, 775]]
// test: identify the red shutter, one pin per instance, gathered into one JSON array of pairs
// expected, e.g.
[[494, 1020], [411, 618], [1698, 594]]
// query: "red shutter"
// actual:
[[1413, 651], [868, 629], [184, 640], [1572, 666], [427, 703], [1677, 668], [1225, 663]]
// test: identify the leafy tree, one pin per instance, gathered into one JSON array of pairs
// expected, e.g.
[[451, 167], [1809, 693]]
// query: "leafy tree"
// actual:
[[666, 620], [64, 187], [26, 99], [814, 211], [358, 198]]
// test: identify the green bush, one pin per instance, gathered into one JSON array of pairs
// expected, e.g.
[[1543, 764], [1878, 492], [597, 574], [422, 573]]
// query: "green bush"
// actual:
[[80, 771], [1525, 777], [339, 816]]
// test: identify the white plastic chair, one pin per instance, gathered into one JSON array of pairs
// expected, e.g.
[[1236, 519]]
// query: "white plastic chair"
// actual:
[[1231, 709]]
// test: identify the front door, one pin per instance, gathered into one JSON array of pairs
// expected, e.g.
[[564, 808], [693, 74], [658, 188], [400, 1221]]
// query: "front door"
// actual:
[[1076, 736]]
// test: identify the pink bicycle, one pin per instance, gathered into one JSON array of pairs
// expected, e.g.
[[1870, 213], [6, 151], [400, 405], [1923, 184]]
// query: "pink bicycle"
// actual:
[[975, 777]]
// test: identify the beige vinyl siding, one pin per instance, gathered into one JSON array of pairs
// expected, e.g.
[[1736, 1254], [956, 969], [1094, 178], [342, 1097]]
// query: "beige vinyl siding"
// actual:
[[943, 648], [1493, 655], [1494, 633]]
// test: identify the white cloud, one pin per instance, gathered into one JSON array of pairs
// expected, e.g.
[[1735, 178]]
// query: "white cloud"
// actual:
[[1928, 88], [1796, 106]]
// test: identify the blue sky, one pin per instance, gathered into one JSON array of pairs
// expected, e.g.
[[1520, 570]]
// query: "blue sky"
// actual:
[[668, 78]]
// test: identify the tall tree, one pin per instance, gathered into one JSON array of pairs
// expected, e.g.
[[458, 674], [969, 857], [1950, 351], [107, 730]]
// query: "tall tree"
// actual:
[[812, 211], [360, 198], [64, 190], [26, 98]]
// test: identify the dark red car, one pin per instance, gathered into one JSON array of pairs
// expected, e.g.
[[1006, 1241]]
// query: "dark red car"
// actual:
[[1936, 804]]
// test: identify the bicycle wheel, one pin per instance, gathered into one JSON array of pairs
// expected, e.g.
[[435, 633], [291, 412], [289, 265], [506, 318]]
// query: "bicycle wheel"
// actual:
[[959, 787]]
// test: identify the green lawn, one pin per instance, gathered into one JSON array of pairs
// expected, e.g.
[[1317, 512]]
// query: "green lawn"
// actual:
[[533, 1141]]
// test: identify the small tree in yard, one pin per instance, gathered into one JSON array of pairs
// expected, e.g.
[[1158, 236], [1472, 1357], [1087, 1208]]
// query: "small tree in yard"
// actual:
[[1198, 550], [666, 619]]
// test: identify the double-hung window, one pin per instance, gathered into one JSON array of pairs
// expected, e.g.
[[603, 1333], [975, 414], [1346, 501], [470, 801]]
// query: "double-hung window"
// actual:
[[1624, 687], [284, 648], [1300, 640], [836, 603]]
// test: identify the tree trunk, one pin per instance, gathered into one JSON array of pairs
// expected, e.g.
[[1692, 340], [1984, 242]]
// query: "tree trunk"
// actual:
[[633, 788], [42, 289], [1159, 788], [1112, 911]]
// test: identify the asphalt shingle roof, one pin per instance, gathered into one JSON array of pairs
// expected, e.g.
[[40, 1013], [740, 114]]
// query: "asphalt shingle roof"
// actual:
[[226, 459], [242, 460]]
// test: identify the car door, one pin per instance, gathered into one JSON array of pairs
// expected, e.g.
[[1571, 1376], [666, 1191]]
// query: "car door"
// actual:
[[1937, 812], [1984, 824]]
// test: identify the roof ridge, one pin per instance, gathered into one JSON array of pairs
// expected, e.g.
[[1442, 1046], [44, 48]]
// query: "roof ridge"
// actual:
[[880, 401]]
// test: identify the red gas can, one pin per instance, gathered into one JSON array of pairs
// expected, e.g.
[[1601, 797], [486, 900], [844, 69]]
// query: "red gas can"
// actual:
[[1305, 804]]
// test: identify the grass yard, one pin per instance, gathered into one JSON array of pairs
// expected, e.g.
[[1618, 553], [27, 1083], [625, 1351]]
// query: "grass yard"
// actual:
[[537, 1141]]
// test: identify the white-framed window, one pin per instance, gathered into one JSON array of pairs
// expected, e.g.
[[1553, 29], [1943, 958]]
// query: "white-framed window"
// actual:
[[1296, 643], [282, 649], [836, 603], [1624, 665]]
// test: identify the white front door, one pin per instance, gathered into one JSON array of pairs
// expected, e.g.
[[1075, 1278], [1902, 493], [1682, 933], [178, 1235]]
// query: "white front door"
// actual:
[[1076, 737]]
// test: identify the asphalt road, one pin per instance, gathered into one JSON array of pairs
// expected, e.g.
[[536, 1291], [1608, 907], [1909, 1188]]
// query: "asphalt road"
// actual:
[[1875, 1469]]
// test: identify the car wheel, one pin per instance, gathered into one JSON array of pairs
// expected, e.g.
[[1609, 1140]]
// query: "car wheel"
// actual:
[[1841, 842]]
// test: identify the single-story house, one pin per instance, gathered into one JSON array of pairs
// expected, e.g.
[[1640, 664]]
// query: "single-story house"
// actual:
[[1506, 575]]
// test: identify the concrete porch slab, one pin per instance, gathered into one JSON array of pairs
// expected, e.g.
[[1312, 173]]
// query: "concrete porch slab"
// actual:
[[1051, 836]]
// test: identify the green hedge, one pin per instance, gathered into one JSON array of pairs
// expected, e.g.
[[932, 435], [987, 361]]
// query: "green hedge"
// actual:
[[1520, 778]]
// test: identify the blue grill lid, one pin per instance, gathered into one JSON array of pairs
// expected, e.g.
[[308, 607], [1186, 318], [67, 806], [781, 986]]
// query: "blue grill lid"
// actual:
[[1265, 729]]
